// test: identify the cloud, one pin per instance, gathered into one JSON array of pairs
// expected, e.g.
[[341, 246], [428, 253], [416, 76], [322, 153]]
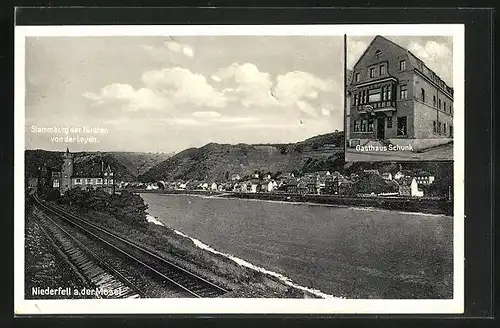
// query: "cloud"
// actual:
[[354, 51], [164, 51], [295, 88], [124, 94], [206, 114], [251, 86], [436, 55], [163, 89], [324, 111], [177, 47], [183, 86]]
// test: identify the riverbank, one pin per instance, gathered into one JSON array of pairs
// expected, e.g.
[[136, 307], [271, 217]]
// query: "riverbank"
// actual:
[[417, 205], [241, 280]]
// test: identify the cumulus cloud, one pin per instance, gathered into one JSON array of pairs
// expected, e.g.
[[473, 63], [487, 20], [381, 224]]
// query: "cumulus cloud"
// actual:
[[163, 89], [177, 47], [355, 49], [252, 87], [436, 55], [168, 47], [126, 95], [296, 88], [183, 86]]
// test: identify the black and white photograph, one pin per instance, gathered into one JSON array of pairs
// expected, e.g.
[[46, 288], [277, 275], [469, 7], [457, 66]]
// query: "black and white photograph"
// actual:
[[399, 98], [170, 172]]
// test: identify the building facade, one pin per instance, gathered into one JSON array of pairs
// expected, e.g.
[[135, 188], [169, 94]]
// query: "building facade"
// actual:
[[394, 96], [91, 177]]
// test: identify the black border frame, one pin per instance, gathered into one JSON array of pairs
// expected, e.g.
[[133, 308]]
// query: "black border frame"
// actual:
[[479, 125]]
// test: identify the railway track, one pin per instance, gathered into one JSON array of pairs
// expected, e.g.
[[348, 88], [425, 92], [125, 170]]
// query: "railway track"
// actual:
[[105, 281], [186, 283]]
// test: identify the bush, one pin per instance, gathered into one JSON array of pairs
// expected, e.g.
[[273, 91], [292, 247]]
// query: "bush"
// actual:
[[126, 207]]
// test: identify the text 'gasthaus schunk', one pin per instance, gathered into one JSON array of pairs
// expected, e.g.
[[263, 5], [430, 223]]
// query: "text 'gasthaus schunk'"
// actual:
[[71, 134], [68, 291]]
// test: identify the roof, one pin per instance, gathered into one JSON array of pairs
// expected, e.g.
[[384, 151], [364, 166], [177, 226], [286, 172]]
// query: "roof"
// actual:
[[415, 62]]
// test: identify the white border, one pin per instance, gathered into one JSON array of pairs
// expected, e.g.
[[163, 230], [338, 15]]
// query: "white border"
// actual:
[[169, 306]]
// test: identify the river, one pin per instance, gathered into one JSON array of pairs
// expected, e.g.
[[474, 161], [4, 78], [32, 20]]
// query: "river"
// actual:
[[342, 251]]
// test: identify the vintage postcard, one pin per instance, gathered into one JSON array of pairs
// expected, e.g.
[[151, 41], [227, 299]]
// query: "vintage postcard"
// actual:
[[230, 169]]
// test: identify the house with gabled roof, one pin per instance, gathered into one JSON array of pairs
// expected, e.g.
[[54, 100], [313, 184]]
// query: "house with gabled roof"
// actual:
[[394, 96]]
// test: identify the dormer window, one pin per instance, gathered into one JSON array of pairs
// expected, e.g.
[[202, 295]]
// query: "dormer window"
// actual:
[[378, 53]]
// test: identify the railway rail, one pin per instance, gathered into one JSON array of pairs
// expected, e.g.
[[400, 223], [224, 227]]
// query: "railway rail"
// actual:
[[106, 282], [188, 284]]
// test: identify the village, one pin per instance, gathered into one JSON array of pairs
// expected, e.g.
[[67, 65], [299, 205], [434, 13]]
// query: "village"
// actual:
[[366, 183]]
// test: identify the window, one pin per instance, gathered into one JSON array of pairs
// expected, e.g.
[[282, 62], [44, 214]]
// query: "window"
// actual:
[[378, 53], [439, 127], [374, 95], [78, 180], [450, 108], [402, 65], [105, 181], [89, 181], [444, 128], [370, 125], [110, 181], [99, 180], [401, 126], [434, 126], [56, 183], [383, 93], [366, 97], [388, 93], [439, 103], [389, 122], [382, 69], [356, 126], [356, 77], [422, 95], [355, 99], [451, 130], [403, 92], [372, 71], [434, 101], [363, 125], [444, 105]]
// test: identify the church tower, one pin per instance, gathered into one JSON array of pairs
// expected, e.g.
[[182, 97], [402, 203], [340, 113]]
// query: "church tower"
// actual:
[[67, 172]]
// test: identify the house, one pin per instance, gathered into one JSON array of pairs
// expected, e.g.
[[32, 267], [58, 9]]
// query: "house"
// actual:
[[313, 186], [409, 187], [204, 185], [85, 177], [291, 186], [252, 186], [235, 177], [152, 186], [387, 175], [303, 187], [286, 176], [332, 185], [401, 174], [322, 174], [214, 186], [393, 95], [424, 178], [268, 186], [372, 172]]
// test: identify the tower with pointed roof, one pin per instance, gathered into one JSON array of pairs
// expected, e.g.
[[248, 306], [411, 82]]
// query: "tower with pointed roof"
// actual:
[[66, 172]]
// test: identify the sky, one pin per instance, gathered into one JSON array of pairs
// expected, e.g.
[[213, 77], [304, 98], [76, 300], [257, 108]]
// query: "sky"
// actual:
[[435, 51], [164, 94]]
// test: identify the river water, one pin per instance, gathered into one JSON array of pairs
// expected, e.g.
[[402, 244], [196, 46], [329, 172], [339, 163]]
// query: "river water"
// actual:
[[344, 252]]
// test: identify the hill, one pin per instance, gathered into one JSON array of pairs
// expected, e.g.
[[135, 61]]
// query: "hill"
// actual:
[[124, 164], [213, 160]]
